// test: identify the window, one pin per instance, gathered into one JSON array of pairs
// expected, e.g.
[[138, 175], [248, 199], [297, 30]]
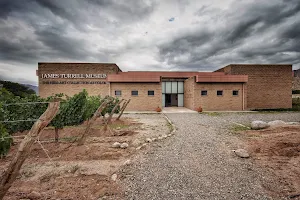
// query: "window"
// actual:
[[219, 92], [118, 92], [134, 93], [150, 92], [235, 92], [203, 92]]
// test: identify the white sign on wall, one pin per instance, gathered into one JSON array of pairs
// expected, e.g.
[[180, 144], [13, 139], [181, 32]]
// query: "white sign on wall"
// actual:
[[72, 76]]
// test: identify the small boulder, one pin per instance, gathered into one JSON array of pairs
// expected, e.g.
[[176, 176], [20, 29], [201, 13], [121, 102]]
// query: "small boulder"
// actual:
[[256, 125], [124, 145], [116, 145], [160, 138], [276, 123], [242, 153]]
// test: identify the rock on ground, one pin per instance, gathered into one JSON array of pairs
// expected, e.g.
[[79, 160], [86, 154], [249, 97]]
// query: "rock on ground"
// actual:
[[124, 145], [116, 145], [114, 177], [256, 125], [242, 153], [276, 123]]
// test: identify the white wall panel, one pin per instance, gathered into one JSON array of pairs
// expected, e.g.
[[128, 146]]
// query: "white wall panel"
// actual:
[[180, 87], [180, 100], [168, 87], [174, 87]]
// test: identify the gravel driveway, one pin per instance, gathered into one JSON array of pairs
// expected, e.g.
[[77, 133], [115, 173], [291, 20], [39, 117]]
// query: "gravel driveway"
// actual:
[[197, 163]]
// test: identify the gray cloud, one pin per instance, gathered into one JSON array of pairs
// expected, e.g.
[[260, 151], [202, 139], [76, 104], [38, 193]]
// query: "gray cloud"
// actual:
[[245, 23]]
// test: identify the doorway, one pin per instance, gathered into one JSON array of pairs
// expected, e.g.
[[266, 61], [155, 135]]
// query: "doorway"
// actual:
[[172, 93], [171, 100]]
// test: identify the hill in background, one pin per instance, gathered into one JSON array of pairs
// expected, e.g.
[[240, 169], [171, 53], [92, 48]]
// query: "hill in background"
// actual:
[[32, 87], [18, 89]]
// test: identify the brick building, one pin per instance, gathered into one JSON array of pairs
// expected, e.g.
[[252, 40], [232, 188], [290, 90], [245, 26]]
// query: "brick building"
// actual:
[[234, 87]]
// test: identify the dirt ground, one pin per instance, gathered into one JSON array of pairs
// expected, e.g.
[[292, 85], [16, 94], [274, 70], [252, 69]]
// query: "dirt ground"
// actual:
[[65, 170], [278, 151]]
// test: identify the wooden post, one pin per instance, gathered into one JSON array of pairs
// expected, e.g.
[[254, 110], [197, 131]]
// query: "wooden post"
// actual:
[[113, 111], [9, 176], [122, 110], [108, 121], [123, 106], [56, 134], [92, 120]]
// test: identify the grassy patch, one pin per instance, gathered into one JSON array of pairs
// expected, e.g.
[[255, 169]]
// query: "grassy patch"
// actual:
[[238, 128], [213, 114], [170, 127], [113, 126]]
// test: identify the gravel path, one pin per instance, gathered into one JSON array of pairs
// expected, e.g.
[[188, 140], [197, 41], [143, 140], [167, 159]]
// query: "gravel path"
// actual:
[[197, 163]]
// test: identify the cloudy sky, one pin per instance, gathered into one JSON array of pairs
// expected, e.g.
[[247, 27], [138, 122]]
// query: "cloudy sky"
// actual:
[[147, 34]]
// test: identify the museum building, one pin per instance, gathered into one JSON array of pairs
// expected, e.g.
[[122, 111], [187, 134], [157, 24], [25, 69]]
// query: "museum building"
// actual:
[[235, 87]]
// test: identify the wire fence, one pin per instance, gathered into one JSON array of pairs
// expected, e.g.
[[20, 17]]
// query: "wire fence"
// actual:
[[25, 103], [25, 120]]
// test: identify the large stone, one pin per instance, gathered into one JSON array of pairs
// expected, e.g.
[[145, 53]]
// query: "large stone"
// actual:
[[242, 153], [256, 125], [124, 145], [116, 145], [276, 123]]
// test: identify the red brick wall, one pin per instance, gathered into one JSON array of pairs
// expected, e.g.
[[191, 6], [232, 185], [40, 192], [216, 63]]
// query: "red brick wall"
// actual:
[[46, 90], [212, 102], [142, 102], [269, 86], [189, 88]]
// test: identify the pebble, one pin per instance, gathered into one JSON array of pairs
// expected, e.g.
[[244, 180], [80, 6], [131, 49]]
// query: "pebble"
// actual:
[[114, 177], [148, 140]]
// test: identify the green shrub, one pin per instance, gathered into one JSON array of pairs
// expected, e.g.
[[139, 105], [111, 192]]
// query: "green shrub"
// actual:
[[5, 141], [295, 91]]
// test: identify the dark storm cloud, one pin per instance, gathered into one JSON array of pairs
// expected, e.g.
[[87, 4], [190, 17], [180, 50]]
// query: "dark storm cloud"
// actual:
[[244, 24], [52, 20]]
